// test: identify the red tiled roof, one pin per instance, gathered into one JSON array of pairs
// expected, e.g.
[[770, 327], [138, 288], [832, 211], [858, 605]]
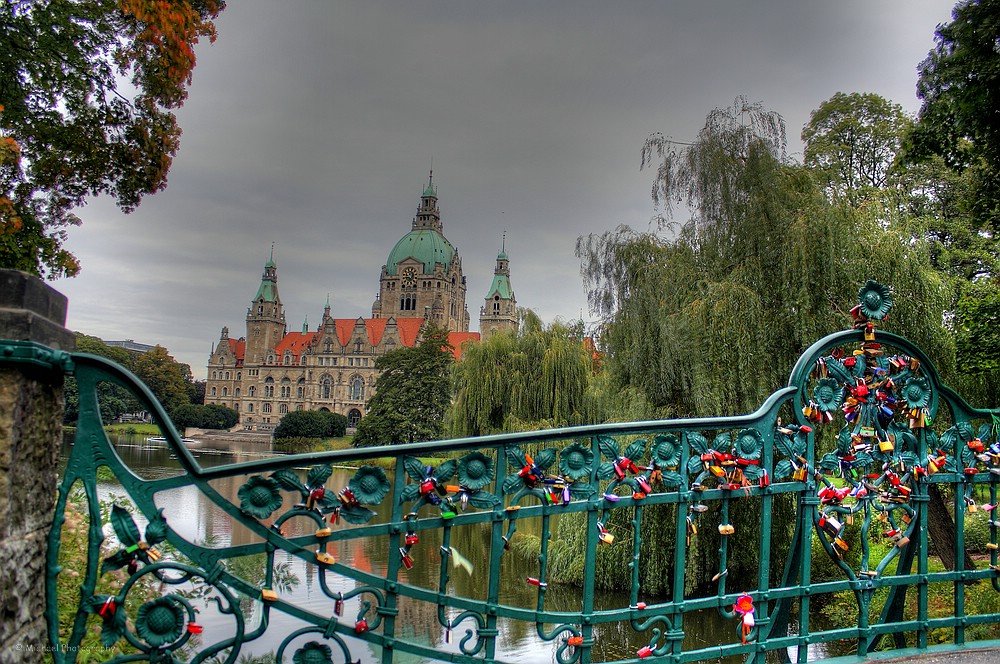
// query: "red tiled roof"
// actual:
[[376, 328], [295, 342], [409, 328], [239, 348], [456, 339]]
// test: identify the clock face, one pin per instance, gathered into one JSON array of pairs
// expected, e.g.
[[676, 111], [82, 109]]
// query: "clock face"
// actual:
[[409, 277]]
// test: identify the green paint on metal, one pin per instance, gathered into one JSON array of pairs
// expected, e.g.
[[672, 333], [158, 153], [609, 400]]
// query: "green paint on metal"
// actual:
[[879, 391]]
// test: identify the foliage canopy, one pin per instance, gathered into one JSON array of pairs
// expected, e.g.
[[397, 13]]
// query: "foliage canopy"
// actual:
[[86, 88], [413, 393]]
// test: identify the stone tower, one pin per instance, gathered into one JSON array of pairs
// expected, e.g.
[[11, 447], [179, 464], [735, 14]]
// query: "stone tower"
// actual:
[[499, 312], [422, 278], [265, 317]]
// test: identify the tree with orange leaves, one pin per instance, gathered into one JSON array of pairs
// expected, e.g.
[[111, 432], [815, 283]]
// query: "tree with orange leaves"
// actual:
[[86, 93]]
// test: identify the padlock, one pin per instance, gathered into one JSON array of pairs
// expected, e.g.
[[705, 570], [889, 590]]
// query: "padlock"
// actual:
[[726, 529], [574, 641], [325, 558], [361, 626], [536, 582], [644, 652], [447, 635], [404, 554], [800, 474], [427, 487], [338, 606], [716, 471], [902, 541], [991, 546], [906, 518], [972, 508], [448, 514], [411, 538], [886, 446], [268, 595], [606, 538], [153, 555], [765, 479], [638, 495], [832, 525], [643, 484], [323, 532], [107, 610], [194, 628], [841, 544], [849, 519], [691, 527]]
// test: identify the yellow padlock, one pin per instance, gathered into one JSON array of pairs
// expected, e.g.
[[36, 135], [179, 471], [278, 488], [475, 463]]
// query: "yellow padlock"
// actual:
[[325, 558], [726, 529], [717, 471], [886, 446], [323, 532], [268, 595]]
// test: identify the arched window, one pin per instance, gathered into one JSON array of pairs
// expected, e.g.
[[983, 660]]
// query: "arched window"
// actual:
[[227, 375], [225, 391], [236, 393], [251, 391], [283, 408], [213, 375], [357, 388], [496, 304], [353, 417], [266, 408], [239, 375], [213, 390], [268, 387], [328, 346], [249, 407], [288, 359], [326, 387], [300, 389], [286, 388]]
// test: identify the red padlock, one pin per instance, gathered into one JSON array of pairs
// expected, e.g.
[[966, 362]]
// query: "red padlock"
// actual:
[[194, 628], [644, 652], [361, 626]]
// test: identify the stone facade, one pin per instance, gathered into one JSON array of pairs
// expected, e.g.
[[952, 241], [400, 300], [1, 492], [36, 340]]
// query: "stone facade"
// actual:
[[272, 371], [31, 401]]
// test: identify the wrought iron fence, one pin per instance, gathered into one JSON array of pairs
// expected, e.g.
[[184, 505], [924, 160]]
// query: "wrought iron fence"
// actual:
[[860, 492]]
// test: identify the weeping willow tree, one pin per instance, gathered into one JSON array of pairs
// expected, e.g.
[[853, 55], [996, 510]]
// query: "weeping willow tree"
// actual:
[[535, 378], [706, 316]]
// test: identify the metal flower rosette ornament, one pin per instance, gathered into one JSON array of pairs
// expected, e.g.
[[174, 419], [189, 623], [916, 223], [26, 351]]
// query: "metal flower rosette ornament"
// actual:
[[873, 486]]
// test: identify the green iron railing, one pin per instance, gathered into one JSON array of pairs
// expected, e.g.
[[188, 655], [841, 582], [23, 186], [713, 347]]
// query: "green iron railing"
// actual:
[[867, 492]]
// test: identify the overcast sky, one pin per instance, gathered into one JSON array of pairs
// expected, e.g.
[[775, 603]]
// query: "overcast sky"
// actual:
[[313, 125]]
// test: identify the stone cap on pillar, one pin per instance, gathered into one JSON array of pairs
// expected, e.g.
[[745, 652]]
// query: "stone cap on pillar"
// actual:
[[31, 310]]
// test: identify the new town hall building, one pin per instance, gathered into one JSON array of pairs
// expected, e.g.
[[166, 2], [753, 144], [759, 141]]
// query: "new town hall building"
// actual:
[[272, 371]]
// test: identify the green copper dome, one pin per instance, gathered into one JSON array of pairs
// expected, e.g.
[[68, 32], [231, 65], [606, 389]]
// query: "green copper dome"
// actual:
[[425, 245]]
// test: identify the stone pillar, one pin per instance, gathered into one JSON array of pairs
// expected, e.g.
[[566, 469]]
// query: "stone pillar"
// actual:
[[31, 406]]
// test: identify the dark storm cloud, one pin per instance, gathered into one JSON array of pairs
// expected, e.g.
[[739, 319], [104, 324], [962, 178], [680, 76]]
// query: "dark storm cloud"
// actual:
[[313, 124]]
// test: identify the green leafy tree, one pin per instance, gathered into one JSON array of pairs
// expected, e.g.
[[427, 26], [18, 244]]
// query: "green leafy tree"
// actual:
[[212, 416], [86, 92], [413, 393], [851, 142], [113, 400], [169, 380], [522, 380], [709, 320]]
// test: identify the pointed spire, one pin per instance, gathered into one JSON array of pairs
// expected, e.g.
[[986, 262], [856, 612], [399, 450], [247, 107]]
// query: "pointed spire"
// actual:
[[327, 307], [270, 259], [305, 325], [429, 190]]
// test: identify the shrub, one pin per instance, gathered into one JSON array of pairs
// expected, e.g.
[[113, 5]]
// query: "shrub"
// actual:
[[311, 424]]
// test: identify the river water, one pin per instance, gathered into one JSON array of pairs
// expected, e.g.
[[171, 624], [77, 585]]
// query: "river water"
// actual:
[[192, 515]]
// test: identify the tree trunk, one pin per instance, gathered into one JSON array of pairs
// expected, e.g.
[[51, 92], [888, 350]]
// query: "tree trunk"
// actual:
[[941, 529]]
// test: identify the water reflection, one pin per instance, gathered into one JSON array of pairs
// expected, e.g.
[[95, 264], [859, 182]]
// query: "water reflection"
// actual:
[[192, 515]]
